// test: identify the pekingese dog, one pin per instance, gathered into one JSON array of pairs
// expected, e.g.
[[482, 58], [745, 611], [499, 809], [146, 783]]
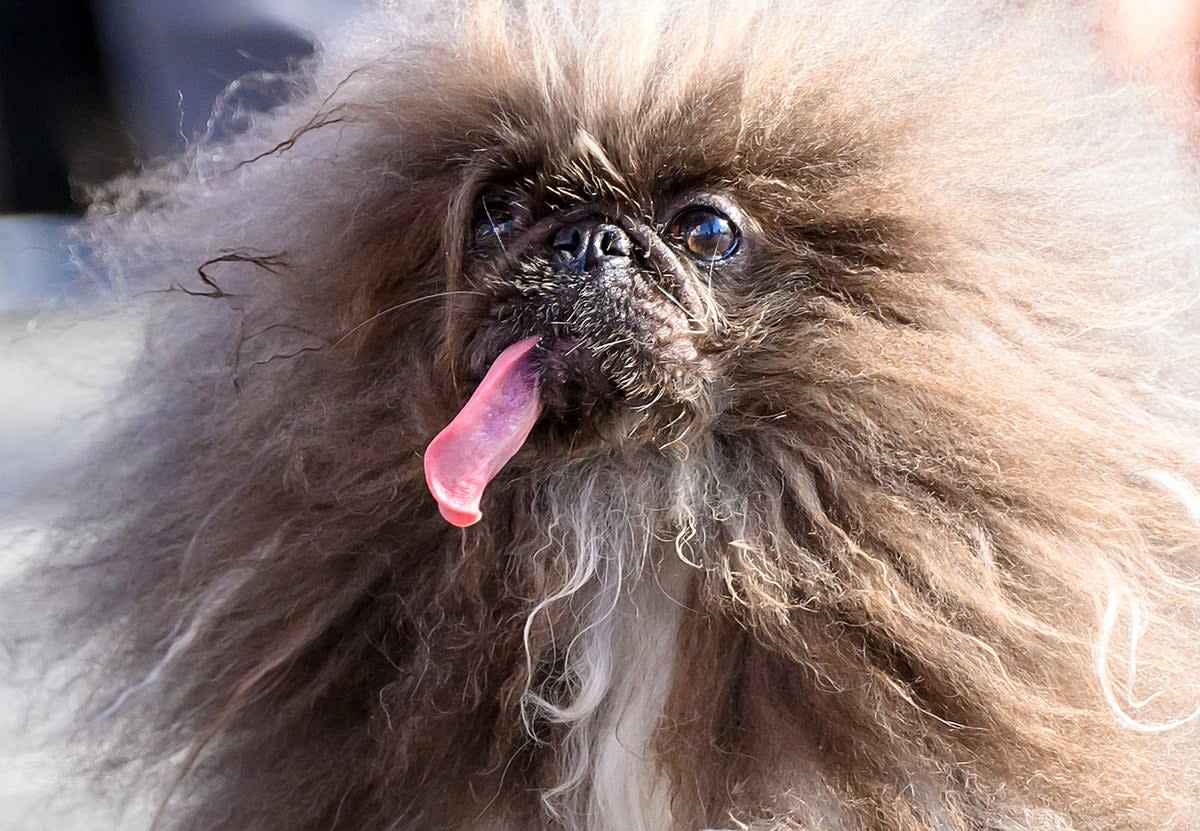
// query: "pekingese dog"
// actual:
[[651, 416]]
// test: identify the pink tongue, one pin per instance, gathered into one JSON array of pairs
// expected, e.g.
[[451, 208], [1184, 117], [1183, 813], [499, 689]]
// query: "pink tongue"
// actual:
[[486, 433]]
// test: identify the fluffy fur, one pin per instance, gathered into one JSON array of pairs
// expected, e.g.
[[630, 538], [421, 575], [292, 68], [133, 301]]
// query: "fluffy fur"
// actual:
[[916, 550]]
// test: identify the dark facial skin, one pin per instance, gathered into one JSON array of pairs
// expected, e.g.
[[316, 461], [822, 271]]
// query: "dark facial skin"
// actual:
[[618, 300]]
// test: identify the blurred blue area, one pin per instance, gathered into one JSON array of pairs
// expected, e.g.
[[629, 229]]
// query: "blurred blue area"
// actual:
[[35, 265]]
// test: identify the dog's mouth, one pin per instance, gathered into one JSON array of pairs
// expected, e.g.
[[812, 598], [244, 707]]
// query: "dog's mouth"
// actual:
[[547, 384]]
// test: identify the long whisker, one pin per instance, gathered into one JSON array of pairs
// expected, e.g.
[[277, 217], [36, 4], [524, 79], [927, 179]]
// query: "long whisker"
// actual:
[[495, 228], [399, 306], [672, 300]]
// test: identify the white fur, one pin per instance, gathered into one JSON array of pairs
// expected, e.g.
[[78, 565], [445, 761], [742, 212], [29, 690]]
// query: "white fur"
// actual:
[[628, 793], [626, 604]]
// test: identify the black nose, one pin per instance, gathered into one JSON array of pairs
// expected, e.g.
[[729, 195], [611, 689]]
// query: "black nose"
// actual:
[[586, 244]]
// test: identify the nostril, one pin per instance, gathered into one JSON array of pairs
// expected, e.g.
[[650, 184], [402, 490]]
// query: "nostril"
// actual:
[[584, 245], [612, 242]]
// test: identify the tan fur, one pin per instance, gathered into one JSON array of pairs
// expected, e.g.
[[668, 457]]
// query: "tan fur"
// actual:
[[900, 530]]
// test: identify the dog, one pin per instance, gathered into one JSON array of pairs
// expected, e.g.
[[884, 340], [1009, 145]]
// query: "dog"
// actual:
[[651, 416]]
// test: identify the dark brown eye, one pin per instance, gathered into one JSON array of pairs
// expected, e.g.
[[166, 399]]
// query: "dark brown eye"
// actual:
[[496, 219], [705, 233]]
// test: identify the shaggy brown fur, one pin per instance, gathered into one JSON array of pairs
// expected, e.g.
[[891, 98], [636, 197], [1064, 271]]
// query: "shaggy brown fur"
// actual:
[[903, 542]]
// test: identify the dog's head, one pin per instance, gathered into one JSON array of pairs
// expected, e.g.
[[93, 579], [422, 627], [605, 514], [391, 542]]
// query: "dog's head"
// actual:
[[672, 232]]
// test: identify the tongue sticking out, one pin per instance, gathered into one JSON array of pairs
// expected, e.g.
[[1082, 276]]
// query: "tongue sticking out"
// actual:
[[486, 433]]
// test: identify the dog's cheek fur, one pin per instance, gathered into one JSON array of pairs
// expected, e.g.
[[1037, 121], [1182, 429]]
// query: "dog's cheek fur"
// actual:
[[889, 560]]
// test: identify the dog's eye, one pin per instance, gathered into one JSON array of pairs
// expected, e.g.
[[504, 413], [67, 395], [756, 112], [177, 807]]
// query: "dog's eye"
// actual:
[[705, 233], [496, 219]]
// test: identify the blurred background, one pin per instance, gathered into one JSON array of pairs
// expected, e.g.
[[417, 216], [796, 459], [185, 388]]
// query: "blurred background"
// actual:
[[90, 87]]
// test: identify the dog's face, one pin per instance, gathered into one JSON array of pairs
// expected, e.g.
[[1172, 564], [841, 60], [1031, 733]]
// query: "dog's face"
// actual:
[[622, 293], [596, 302], [655, 281]]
